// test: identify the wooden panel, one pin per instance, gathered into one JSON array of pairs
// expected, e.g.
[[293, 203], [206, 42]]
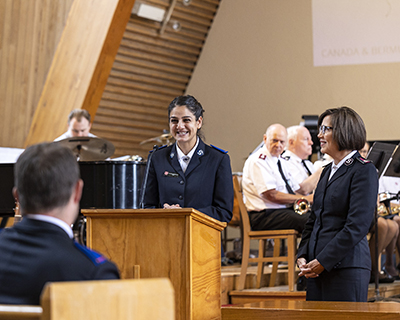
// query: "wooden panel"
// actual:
[[20, 312], [154, 68], [206, 270], [308, 310], [182, 244], [81, 64], [109, 299], [29, 33], [149, 71], [118, 240]]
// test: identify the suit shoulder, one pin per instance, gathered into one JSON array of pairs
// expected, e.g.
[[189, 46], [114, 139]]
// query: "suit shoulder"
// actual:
[[96, 258], [219, 149], [363, 161]]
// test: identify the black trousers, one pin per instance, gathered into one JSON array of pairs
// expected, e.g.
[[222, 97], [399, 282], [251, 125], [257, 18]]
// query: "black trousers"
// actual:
[[277, 219], [347, 284]]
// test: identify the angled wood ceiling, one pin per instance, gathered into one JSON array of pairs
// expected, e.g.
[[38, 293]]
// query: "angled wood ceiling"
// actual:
[[150, 70]]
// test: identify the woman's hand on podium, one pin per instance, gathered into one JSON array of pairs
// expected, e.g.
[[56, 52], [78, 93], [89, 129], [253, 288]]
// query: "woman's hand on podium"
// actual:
[[172, 206]]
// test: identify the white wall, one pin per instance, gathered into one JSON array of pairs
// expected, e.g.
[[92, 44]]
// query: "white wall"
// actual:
[[256, 69]]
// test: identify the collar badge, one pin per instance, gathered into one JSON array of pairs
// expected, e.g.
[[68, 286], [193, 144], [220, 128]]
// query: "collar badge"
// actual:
[[348, 161]]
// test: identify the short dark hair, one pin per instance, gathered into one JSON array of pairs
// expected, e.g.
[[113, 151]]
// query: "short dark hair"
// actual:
[[191, 103], [45, 175], [348, 128], [78, 114]]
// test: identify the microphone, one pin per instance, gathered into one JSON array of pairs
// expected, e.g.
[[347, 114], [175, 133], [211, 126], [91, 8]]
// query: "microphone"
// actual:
[[144, 185]]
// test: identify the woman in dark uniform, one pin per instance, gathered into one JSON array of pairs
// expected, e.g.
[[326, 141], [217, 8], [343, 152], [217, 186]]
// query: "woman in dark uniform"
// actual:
[[333, 252], [190, 173]]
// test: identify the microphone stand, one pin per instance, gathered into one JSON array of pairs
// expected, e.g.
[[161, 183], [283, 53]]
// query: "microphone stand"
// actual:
[[146, 176]]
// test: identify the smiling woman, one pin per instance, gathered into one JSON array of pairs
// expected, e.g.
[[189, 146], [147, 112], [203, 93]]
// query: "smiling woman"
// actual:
[[190, 173], [333, 253]]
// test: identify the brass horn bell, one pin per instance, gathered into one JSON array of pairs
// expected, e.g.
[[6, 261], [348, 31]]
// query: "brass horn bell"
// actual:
[[301, 206]]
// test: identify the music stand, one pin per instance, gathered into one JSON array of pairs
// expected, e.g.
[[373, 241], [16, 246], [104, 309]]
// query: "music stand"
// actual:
[[393, 168], [382, 155]]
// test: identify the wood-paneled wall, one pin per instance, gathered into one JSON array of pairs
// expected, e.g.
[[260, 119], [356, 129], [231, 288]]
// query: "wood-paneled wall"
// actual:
[[81, 64], [29, 34], [149, 71]]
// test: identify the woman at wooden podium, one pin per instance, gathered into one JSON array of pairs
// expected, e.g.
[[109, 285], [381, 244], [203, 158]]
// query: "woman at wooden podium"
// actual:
[[189, 173]]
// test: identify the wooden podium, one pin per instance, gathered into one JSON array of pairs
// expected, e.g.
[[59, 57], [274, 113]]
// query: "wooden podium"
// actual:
[[183, 245]]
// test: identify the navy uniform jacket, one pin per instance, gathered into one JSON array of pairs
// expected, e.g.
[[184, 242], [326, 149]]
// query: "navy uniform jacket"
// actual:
[[35, 252], [341, 216], [205, 186]]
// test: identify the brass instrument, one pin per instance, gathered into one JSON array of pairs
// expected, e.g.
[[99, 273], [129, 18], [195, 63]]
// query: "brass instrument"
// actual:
[[385, 206], [301, 206]]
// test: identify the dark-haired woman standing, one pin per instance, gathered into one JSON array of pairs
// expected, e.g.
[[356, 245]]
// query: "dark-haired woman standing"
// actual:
[[190, 173], [333, 252]]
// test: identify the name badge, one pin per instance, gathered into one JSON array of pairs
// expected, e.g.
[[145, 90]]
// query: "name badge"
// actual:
[[171, 174]]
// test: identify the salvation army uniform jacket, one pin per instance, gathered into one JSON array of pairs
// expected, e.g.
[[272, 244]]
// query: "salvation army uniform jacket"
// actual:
[[341, 216], [206, 185]]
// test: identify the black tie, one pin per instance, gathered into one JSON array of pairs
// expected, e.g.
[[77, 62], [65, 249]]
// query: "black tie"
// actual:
[[289, 189], [305, 166]]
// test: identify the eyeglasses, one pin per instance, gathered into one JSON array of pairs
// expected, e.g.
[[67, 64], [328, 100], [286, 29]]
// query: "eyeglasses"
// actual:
[[323, 129]]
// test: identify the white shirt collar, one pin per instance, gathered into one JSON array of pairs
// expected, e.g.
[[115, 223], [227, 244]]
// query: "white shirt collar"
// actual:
[[292, 155], [191, 152], [181, 155], [41, 217], [335, 167]]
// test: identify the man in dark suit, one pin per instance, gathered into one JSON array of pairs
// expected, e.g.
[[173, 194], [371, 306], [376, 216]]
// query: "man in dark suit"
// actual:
[[40, 248]]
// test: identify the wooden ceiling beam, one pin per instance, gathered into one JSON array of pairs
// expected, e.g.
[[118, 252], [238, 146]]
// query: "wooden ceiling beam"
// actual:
[[81, 64]]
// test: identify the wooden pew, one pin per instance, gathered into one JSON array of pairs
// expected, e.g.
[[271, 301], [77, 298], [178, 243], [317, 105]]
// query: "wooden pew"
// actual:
[[145, 299], [18, 312], [310, 310]]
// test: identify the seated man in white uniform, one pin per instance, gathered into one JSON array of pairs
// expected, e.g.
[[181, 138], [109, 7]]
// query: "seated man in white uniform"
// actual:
[[298, 149], [269, 188], [78, 125]]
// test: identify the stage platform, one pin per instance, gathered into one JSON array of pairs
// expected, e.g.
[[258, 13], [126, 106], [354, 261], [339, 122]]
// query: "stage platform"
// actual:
[[230, 278]]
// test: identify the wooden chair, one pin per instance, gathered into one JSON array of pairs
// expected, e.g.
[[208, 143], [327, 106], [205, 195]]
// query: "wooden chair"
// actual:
[[235, 222], [262, 236]]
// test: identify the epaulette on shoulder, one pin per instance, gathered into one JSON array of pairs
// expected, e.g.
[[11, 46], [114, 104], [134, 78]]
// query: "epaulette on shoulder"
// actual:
[[362, 160], [219, 149], [287, 158], [94, 256], [159, 148]]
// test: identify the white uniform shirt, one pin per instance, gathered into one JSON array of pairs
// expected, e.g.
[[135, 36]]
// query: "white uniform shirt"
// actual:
[[296, 167], [260, 174], [390, 184]]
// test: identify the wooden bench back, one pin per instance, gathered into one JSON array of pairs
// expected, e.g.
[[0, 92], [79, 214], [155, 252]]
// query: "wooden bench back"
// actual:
[[95, 300]]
